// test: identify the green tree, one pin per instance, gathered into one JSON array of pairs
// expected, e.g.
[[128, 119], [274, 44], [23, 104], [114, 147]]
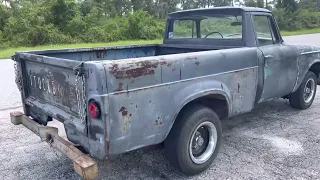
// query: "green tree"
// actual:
[[289, 5], [4, 16], [63, 11]]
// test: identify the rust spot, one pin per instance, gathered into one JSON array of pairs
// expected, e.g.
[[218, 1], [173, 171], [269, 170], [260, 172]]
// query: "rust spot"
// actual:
[[107, 146], [147, 64], [120, 87], [144, 68], [138, 72], [124, 68], [163, 62], [114, 69], [124, 111], [197, 63], [158, 123]]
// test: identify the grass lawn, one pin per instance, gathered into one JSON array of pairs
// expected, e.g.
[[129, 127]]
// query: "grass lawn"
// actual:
[[7, 53]]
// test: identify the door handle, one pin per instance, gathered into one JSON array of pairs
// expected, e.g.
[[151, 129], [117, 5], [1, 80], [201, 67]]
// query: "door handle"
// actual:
[[268, 56]]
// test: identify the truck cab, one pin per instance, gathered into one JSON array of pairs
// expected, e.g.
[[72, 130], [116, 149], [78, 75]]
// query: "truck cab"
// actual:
[[229, 27]]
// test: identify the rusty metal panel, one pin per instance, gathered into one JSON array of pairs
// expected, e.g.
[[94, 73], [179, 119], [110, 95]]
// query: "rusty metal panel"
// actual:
[[146, 94], [280, 70], [52, 84], [308, 56], [151, 71], [106, 53], [143, 117], [50, 93]]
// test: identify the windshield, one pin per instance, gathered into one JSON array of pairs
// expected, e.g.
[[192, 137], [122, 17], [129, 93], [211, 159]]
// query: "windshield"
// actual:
[[214, 27]]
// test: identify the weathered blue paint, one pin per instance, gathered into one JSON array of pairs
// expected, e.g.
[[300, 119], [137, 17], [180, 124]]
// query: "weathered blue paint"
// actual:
[[308, 56], [141, 89], [112, 53], [145, 97]]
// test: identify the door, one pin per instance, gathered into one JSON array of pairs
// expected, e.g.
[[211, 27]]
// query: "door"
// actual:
[[280, 61]]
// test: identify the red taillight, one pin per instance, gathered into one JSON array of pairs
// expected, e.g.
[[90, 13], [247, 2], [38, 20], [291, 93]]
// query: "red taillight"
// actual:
[[94, 110]]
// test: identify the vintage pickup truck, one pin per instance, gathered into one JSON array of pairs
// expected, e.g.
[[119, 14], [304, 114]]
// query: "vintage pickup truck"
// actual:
[[214, 63]]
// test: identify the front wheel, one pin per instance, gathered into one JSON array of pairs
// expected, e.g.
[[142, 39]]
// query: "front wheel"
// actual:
[[304, 96], [194, 140]]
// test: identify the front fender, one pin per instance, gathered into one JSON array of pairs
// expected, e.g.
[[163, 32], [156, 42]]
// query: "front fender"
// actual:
[[305, 62]]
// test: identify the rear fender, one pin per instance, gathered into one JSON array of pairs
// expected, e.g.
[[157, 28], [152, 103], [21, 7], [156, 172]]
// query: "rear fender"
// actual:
[[198, 90]]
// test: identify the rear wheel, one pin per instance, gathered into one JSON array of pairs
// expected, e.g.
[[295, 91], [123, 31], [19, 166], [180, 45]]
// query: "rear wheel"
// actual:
[[304, 96], [194, 140]]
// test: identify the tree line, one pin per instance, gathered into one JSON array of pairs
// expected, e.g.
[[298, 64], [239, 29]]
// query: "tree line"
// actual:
[[39, 22]]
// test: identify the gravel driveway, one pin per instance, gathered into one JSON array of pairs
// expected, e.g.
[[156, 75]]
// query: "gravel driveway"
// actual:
[[274, 141]]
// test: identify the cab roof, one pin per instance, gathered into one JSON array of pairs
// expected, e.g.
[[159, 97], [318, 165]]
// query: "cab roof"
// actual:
[[220, 9]]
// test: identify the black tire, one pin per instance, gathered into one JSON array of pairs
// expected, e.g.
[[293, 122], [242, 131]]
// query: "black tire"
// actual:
[[297, 99], [176, 145]]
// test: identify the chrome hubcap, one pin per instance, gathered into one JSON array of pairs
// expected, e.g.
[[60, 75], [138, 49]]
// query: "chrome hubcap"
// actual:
[[309, 90], [203, 142]]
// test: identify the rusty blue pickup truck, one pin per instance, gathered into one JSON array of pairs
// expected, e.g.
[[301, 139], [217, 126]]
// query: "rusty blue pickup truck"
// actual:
[[214, 63]]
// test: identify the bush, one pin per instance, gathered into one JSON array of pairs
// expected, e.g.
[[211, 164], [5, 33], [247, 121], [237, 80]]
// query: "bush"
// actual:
[[142, 25], [301, 19], [30, 28], [308, 19], [1, 41], [116, 29], [33, 23]]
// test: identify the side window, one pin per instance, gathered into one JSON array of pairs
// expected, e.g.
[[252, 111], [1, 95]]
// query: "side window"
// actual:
[[183, 29], [264, 32]]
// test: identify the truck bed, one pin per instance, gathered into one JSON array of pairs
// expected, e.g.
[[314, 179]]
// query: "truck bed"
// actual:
[[59, 84], [124, 52], [52, 83]]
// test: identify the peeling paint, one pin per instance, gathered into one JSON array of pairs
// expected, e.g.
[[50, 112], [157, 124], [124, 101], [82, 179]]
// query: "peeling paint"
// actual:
[[158, 123], [142, 68], [120, 88], [123, 111]]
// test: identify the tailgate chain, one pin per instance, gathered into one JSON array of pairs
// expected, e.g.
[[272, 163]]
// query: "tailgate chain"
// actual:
[[81, 97], [17, 75]]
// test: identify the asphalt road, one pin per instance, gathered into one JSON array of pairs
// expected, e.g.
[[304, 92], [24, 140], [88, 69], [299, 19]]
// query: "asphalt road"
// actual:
[[274, 141]]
